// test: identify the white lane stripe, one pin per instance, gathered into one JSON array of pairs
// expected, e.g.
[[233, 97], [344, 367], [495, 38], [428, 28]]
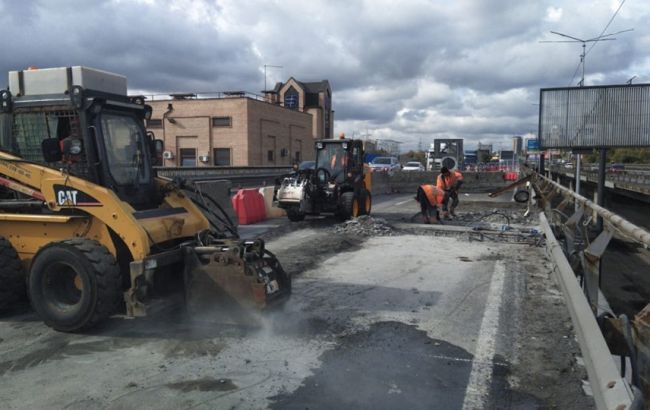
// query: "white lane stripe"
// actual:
[[390, 203], [480, 378]]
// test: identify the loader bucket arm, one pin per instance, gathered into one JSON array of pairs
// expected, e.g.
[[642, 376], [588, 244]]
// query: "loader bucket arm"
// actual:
[[240, 274]]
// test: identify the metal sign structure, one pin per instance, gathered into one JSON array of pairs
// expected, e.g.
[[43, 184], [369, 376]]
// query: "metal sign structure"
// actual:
[[595, 117]]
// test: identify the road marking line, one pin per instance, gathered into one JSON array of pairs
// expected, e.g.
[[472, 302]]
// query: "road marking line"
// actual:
[[403, 202], [480, 378]]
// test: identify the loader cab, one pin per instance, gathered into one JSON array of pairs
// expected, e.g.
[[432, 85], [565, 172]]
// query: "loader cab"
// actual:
[[338, 160], [96, 136], [125, 152]]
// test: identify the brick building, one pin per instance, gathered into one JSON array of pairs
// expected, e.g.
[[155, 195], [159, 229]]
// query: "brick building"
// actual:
[[314, 98], [239, 129]]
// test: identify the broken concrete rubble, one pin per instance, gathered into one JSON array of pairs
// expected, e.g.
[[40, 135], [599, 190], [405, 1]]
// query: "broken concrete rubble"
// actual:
[[365, 226]]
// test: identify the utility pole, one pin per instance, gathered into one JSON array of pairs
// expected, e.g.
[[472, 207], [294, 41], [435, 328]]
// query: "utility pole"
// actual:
[[269, 66]]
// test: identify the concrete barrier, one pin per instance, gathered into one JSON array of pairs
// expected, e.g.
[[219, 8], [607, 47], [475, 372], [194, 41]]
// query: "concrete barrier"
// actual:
[[400, 182], [271, 211]]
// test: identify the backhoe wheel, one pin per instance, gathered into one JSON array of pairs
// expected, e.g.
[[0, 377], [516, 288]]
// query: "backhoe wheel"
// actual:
[[366, 202], [74, 284], [12, 278], [295, 215], [349, 207]]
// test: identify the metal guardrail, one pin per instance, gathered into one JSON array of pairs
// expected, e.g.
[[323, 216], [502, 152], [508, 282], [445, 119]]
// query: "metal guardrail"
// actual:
[[616, 221], [578, 255], [630, 180], [239, 176], [224, 171], [610, 390], [198, 95], [628, 167]]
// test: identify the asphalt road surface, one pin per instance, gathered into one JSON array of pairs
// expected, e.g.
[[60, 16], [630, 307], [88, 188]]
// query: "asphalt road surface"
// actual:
[[406, 320]]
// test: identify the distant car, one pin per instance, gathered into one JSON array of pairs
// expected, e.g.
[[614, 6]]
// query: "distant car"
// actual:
[[385, 164], [304, 165], [616, 168], [413, 166]]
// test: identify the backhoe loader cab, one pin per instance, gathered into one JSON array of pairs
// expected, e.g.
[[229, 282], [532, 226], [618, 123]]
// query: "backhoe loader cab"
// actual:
[[336, 184], [85, 220]]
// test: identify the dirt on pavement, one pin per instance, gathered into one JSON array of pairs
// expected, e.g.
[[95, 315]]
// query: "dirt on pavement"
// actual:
[[375, 321]]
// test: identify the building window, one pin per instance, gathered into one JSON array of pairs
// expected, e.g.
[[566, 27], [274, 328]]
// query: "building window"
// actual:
[[291, 99], [270, 155], [154, 123], [298, 156], [187, 157], [222, 121], [221, 157]]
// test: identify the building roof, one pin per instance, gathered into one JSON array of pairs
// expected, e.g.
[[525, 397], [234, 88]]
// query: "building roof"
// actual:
[[316, 87], [313, 87]]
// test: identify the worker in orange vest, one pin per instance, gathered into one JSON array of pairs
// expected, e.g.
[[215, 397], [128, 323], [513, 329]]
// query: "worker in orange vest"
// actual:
[[430, 197], [450, 182]]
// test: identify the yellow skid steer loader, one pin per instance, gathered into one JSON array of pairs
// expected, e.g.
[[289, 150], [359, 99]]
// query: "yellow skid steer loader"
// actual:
[[87, 229]]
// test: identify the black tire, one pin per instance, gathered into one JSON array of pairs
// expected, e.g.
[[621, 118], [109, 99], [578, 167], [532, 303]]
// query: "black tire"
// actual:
[[12, 278], [74, 284], [522, 196], [347, 208], [295, 215]]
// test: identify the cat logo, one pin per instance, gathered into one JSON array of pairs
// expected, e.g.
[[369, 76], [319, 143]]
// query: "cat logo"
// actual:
[[67, 197], [73, 197]]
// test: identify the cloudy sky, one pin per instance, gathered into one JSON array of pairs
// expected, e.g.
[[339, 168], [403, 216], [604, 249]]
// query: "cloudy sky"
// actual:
[[410, 70]]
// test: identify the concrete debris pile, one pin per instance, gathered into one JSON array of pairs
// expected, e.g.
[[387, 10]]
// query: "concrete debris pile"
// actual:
[[365, 226]]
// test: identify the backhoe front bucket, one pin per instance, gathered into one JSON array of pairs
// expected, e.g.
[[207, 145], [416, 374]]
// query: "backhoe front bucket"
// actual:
[[233, 274]]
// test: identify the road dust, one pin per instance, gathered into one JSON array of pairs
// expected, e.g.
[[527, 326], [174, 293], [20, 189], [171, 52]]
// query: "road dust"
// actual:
[[374, 321]]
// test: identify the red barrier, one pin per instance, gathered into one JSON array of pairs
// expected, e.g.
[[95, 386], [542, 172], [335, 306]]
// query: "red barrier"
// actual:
[[249, 206], [511, 176]]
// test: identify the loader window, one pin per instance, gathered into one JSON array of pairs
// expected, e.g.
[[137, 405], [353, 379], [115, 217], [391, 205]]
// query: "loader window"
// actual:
[[125, 142], [5, 133], [31, 128], [333, 158]]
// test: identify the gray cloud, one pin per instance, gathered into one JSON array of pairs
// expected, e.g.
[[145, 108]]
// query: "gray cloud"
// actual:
[[406, 70]]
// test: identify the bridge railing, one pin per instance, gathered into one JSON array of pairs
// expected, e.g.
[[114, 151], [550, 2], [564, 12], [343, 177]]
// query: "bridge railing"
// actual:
[[578, 261], [628, 179]]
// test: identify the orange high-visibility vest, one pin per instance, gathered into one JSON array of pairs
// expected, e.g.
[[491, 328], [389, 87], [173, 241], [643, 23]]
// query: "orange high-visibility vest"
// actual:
[[434, 194], [445, 182]]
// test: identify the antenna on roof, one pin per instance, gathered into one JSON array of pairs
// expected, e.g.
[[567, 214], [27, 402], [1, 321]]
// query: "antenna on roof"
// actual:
[[270, 66], [629, 82], [603, 37]]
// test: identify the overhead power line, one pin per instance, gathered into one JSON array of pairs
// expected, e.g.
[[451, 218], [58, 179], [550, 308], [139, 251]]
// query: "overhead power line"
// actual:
[[608, 24]]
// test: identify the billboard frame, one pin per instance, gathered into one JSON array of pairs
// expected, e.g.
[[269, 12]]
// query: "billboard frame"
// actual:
[[540, 137]]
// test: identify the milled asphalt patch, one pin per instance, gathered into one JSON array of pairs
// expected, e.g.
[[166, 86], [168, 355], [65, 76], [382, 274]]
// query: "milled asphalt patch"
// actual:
[[390, 365]]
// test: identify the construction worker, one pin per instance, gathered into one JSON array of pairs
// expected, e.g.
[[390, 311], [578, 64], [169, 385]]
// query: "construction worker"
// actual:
[[430, 197], [449, 182]]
